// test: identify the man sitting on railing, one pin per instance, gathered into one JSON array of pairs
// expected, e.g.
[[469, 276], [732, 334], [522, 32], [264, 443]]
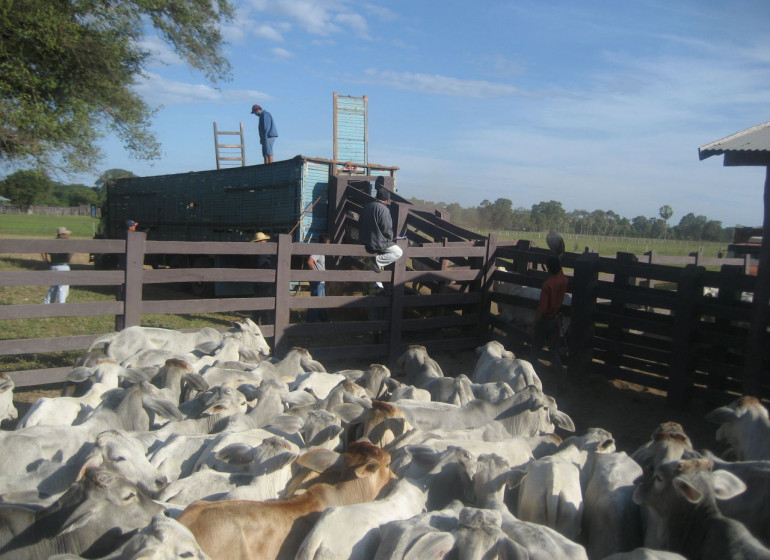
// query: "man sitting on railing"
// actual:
[[375, 230]]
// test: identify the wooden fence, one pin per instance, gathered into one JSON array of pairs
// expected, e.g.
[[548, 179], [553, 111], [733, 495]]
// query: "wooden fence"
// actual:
[[646, 323], [649, 324], [382, 326]]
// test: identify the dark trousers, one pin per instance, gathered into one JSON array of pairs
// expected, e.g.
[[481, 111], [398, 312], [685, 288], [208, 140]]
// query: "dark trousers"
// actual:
[[547, 332]]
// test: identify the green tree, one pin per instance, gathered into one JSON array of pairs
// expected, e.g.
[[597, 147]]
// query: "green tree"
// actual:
[[69, 69], [27, 187], [665, 212], [549, 215], [498, 215]]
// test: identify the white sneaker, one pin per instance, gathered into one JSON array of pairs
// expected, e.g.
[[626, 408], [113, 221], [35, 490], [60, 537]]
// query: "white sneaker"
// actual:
[[379, 285]]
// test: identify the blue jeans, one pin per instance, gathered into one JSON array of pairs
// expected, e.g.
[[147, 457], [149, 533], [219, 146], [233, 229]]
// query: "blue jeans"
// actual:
[[317, 289]]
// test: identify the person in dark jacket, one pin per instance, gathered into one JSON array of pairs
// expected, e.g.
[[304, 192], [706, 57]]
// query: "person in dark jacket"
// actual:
[[375, 231], [268, 132], [263, 289]]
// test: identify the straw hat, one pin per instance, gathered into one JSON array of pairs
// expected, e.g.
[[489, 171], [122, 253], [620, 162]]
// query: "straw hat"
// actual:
[[63, 231], [260, 237]]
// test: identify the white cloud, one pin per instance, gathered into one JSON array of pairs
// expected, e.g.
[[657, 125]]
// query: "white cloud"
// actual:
[[157, 90], [162, 53], [267, 32], [440, 85], [281, 53]]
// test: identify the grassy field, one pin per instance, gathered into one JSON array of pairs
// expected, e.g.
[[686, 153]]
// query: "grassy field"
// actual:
[[33, 225], [609, 246], [26, 226]]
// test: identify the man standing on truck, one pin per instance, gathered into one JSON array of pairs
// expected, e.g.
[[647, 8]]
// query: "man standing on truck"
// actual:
[[58, 261], [268, 132]]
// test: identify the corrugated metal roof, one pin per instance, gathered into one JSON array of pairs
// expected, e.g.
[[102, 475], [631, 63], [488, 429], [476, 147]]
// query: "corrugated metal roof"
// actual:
[[754, 141]]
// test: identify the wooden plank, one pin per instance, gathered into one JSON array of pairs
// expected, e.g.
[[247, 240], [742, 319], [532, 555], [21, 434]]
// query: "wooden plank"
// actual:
[[36, 311], [62, 245], [42, 345], [39, 377], [54, 277], [447, 321]]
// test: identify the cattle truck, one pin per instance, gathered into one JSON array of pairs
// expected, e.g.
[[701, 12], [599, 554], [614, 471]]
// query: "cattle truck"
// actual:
[[229, 204]]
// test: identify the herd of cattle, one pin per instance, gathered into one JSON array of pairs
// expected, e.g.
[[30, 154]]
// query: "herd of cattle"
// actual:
[[169, 445]]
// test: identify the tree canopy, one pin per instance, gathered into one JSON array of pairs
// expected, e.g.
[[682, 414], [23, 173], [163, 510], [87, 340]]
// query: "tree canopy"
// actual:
[[69, 69]]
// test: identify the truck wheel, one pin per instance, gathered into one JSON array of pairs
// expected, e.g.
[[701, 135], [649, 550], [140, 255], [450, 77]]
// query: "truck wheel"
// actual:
[[202, 289]]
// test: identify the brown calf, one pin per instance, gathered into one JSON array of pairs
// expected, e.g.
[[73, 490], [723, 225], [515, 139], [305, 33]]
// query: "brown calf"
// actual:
[[250, 530]]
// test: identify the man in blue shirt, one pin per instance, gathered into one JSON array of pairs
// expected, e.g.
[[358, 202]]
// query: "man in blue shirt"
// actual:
[[268, 132]]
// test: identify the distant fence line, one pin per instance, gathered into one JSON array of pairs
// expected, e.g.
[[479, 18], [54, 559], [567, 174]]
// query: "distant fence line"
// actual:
[[83, 210]]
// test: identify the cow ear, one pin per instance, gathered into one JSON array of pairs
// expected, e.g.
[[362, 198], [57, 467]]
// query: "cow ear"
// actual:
[[368, 468], [431, 545], [349, 412], [722, 415], [236, 454], [691, 494], [562, 420], [163, 407], [95, 459], [318, 460], [249, 356], [514, 477], [727, 485]]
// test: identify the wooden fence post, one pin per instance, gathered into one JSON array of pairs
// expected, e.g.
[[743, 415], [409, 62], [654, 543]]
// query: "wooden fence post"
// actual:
[[282, 289], [397, 305], [581, 331], [686, 317], [132, 287], [621, 281], [487, 270]]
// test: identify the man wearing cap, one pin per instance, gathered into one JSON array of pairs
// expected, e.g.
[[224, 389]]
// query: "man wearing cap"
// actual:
[[58, 261], [375, 230], [268, 132], [131, 225]]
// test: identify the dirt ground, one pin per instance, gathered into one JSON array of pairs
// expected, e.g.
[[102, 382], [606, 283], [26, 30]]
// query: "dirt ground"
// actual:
[[629, 412]]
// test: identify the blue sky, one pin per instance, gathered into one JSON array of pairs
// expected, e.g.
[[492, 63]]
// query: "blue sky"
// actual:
[[596, 104]]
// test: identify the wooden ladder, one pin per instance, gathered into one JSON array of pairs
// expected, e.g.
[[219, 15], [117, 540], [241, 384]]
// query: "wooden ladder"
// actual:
[[229, 155]]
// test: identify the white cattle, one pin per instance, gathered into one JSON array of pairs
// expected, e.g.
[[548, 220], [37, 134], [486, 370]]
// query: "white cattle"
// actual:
[[63, 411], [495, 363], [549, 492], [684, 494], [745, 426], [7, 410], [752, 507], [121, 409], [424, 372], [611, 519], [265, 472], [428, 535], [163, 539], [540, 542], [319, 384], [127, 342], [113, 449], [296, 362]]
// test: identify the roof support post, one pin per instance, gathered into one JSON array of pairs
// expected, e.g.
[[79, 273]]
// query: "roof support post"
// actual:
[[755, 345]]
